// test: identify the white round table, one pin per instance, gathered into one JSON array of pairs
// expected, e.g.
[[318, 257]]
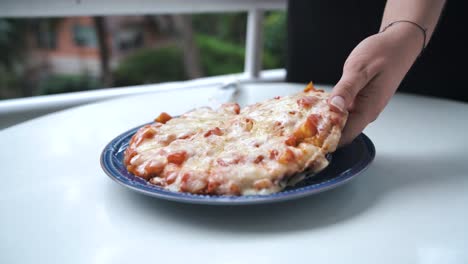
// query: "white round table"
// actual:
[[410, 206]]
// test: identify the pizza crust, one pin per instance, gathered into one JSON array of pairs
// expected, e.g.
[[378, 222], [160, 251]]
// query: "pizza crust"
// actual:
[[233, 151]]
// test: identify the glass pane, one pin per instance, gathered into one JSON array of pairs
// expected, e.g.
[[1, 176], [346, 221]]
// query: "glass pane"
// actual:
[[274, 40], [83, 53], [84, 36]]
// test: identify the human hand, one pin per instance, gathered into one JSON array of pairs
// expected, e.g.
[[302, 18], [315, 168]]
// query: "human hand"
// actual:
[[372, 73]]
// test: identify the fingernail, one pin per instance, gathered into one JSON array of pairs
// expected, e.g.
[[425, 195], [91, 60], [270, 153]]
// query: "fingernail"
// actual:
[[338, 102]]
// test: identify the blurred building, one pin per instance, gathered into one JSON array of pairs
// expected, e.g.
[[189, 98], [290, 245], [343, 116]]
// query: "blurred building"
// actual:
[[71, 45]]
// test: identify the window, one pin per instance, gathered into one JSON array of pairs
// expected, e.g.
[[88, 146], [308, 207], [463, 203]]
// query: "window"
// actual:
[[84, 36], [141, 49], [129, 38]]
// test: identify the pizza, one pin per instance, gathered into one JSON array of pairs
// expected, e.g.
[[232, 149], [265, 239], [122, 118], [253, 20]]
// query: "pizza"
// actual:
[[256, 150]]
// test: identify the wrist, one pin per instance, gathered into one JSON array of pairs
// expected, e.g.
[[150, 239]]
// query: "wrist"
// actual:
[[409, 35]]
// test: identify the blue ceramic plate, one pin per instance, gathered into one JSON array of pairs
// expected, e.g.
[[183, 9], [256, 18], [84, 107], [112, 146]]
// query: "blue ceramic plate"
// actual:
[[346, 163]]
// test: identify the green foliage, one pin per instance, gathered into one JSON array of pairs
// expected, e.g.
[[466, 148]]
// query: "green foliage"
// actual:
[[62, 83], [220, 34], [11, 40], [11, 46], [151, 66], [220, 57], [275, 37], [9, 84], [166, 64], [228, 27]]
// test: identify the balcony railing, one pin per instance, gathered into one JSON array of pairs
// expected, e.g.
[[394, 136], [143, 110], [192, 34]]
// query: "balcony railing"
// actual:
[[17, 110]]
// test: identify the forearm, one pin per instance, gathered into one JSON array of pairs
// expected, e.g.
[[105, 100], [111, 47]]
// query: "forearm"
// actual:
[[375, 68], [423, 12]]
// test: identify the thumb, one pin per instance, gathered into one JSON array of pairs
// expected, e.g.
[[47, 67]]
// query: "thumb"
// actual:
[[354, 78]]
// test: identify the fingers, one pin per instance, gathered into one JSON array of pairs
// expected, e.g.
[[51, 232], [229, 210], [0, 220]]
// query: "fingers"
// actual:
[[356, 123], [352, 93], [357, 73], [367, 107]]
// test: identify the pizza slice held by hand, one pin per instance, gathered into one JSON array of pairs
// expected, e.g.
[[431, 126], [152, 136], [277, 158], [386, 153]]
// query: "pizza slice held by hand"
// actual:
[[233, 151]]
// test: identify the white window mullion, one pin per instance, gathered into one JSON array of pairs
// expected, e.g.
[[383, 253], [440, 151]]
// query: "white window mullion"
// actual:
[[254, 43]]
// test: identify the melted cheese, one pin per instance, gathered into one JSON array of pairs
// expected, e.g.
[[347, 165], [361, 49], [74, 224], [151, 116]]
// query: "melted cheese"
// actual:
[[245, 153]]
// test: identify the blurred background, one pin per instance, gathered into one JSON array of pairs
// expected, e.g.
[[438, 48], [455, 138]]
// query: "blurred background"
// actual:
[[40, 56]]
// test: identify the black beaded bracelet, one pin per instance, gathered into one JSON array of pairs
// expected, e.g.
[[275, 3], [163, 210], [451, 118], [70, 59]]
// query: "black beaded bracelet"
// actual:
[[423, 30]]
